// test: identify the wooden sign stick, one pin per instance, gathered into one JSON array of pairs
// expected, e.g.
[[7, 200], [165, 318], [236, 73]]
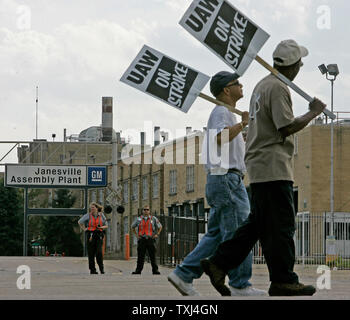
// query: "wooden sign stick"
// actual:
[[291, 85], [220, 103]]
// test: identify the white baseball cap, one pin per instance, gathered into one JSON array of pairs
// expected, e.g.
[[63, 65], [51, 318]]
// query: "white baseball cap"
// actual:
[[288, 52]]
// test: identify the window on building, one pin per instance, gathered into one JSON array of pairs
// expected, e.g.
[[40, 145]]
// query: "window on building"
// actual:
[[190, 178], [91, 158], [144, 188], [71, 156], [156, 185], [201, 209], [172, 184], [188, 210], [126, 191], [174, 210], [181, 210], [342, 230], [135, 190]]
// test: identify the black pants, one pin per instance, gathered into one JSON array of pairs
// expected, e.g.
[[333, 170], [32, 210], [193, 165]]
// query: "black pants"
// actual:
[[94, 248], [144, 244], [272, 221]]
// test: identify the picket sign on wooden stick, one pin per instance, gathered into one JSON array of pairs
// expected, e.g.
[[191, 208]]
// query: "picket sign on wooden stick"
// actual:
[[218, 102], [282, 78], [232, 36], [292, 85], [162, 77]]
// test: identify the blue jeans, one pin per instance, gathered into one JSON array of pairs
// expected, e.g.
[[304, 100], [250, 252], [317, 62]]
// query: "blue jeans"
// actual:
[[229, 202]]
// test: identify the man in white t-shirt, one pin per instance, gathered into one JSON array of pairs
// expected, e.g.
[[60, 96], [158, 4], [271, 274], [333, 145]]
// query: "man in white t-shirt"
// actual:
[[223, 155]]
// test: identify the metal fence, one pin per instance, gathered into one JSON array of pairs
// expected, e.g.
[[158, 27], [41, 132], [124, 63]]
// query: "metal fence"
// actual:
[[322, 238], [179, 237], [38, 250], [319, 239]]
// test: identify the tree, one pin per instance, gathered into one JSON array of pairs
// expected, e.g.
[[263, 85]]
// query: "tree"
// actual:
[[11, 217], [58, 232], [37, 198]]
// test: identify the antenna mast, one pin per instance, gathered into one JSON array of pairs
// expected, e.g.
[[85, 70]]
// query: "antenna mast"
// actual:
[[36, 114]]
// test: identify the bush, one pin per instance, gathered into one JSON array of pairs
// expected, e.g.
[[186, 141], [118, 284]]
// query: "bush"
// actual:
[[339, 263]]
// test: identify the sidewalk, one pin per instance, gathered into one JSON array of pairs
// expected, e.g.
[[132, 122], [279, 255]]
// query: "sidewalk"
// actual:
[[68, 278]]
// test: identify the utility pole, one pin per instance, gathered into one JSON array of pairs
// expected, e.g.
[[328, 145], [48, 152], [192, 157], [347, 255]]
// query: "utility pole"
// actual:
[[115, 237], [36, 114]]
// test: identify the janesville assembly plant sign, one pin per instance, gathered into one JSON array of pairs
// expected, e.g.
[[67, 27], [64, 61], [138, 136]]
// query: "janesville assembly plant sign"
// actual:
[[47, 176]]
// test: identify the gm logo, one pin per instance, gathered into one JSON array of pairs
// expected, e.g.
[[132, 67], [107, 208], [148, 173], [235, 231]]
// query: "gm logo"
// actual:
[[97, 176]]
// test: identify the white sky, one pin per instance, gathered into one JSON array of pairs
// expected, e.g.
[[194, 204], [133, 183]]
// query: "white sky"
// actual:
[[75, 51]]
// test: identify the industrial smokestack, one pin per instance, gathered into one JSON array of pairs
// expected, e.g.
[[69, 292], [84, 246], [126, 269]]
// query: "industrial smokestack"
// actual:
[[107, 118], [142, 138], [156, 136]]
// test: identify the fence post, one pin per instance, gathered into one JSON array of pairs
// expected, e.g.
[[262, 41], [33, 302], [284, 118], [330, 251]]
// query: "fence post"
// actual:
[[161, 237], [344, 234], [173, 240], [324, 238], [197, 224], [303, 237], [127, 247]]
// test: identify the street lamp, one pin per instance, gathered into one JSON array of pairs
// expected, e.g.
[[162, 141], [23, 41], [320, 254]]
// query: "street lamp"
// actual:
[[331, 72]]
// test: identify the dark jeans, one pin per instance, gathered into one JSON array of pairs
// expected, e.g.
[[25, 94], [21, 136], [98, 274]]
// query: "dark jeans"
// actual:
[[272, 221], [144, 244], [94, 248]]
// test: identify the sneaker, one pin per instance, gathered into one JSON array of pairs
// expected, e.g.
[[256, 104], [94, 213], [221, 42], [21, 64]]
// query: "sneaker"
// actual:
[[247, 291], [136, 272], [156, 272], [185, 288], [291, 289], [217, 277], [93, 272]]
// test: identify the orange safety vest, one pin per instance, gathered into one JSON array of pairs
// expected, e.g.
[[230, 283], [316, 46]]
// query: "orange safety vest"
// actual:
[[94, 222], [145, 227]]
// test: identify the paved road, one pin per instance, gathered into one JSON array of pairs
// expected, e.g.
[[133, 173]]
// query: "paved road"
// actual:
[[67, 278]]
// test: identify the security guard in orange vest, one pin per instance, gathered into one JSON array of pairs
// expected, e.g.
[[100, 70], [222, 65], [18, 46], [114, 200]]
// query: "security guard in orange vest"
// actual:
[[94, 223], [147, 229]]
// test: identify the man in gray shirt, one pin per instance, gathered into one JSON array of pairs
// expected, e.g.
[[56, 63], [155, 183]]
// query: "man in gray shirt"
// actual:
[[269, 153]]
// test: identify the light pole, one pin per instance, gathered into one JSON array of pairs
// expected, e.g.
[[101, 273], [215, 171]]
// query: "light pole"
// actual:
[[331, 72]]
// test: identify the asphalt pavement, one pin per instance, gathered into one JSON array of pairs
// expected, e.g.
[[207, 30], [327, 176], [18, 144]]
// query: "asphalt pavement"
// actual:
[[68, 278]]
